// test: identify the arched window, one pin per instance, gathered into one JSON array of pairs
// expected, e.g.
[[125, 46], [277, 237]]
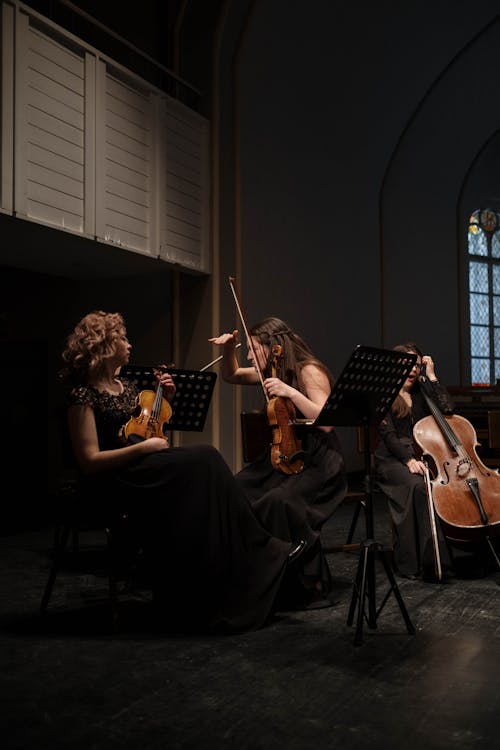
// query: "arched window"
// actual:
[[484, 296]]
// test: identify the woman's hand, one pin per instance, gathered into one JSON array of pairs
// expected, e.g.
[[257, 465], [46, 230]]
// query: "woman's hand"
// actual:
[[428, 362], [229, 340], [166, 381], [276, 387], [415, 467], [154, 444]]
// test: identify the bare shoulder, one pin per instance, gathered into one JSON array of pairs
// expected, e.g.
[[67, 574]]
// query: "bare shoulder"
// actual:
[[313, 376]]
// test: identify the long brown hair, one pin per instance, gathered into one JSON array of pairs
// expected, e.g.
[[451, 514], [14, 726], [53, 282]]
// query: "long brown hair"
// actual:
[[295, 352], [400, 407]]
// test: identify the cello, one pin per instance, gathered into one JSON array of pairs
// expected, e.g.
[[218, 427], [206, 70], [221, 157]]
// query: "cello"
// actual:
[[287, 455], [465, 492]]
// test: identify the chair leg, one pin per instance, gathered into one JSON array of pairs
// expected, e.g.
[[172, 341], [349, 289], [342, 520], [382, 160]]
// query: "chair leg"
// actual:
[[118, 562], [61, 536]]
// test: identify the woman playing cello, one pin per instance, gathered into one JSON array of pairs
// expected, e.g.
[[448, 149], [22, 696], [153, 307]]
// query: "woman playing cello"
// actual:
[[299, 499], [401, 472]]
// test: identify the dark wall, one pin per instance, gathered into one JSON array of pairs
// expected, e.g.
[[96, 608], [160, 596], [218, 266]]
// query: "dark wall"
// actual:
[[350, 142], [37, 312], [356, 130]]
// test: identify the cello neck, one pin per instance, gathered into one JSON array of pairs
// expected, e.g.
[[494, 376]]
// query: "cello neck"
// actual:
[[444, 426]]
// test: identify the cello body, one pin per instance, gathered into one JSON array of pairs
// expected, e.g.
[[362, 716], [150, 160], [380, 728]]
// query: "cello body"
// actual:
[[466, 493]]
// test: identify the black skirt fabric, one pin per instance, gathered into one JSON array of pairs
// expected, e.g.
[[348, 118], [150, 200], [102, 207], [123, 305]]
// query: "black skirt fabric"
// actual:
[[295, 506], [413, 552], [213, 565]]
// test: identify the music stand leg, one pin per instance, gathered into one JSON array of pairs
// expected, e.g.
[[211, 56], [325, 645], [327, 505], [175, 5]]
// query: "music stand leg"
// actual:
[[395, 590], [364, 590]]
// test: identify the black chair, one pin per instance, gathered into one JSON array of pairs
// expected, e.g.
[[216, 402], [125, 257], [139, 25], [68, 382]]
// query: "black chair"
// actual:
[[90, 538]]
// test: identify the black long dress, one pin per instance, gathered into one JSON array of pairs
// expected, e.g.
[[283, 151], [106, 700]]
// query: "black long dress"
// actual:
[[413, 548], [295, 506], [214, 567]]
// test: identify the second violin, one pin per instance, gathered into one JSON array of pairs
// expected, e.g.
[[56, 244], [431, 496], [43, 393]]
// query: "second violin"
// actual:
[[150, 417]]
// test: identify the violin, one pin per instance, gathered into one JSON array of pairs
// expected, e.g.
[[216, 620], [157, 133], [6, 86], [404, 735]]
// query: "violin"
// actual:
[[466, 494], [286, 449], [152, 412], [287, 455]]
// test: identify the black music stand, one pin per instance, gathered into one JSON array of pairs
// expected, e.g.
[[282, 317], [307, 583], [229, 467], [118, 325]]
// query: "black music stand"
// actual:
[[363, 393], [193, 393]]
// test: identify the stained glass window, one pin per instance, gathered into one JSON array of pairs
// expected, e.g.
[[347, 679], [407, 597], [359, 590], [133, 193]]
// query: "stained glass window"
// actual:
[[484, 296]]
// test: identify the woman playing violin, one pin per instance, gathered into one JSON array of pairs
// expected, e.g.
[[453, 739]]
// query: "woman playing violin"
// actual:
[[211, 563], [400, 470], [296, 504]]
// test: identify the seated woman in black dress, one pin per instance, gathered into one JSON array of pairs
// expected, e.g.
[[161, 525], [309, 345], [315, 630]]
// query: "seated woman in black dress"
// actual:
[[400, 471], [292, 505], [214, 567]]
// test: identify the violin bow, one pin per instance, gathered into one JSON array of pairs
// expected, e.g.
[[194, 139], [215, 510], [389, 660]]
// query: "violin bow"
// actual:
[[232, 284], [432, 519], [214, 361]]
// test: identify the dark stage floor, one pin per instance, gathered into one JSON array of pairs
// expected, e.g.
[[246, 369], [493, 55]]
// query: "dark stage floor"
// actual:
[[67, 681]]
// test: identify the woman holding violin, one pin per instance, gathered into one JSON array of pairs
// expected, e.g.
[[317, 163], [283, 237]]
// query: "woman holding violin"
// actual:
[[296, 486], [401, 472], [212, 565]]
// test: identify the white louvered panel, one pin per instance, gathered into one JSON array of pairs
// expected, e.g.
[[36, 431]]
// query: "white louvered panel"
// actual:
[[127, 171], [70, 205], [54, 133], [120, 190], [57, 162], [184, 213], [186, 216], [57, 182], [7, 108], [127, 176]]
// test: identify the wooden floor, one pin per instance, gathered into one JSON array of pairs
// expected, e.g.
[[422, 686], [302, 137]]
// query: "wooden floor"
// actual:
[[301, 682]]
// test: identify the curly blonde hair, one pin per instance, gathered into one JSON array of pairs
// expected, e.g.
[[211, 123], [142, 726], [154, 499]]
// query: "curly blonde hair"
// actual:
[[90, 344]]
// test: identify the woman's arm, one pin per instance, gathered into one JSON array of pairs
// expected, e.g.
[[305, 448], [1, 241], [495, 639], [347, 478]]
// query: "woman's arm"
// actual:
[[316, 388], [89, 457], [230, 367], [403, 450]]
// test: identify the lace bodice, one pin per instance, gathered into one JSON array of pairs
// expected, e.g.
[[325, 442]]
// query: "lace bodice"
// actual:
[[111, 411]]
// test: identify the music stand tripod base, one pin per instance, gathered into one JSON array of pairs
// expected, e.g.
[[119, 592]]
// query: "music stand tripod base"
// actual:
[[365, 590], [362, 395]]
